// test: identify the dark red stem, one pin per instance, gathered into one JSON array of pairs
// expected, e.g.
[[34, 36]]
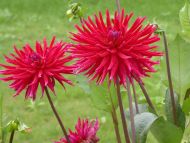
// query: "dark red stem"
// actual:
[[116, 127], [169, 78], [118, 6], [81, 20], [130, 100], [147, 97], [135, 97], [114, 119], [57, 115], [124, 123]]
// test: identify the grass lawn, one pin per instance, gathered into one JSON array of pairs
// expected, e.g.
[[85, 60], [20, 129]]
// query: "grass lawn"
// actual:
[[25, 21]]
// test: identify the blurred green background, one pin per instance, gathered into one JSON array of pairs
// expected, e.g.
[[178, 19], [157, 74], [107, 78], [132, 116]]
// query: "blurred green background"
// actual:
[[25, 21]]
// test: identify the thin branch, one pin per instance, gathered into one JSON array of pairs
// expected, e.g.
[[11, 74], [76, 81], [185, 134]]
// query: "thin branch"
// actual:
[[57, 115], [130, 100], [11, 137], [114, 119], [118, 6], [169, 78], [147, 97], [124, 123], [135, 97], [81, 20], [116, 127]]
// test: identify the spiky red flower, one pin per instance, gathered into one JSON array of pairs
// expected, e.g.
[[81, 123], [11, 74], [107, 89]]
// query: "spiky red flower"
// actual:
[[85, 132], [28, 68], [115, 48]]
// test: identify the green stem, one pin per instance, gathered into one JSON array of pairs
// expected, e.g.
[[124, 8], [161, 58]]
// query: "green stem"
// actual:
[[124, 123], [135, 98], [169, 78], [57, 115], [12, 136], [130, 100]]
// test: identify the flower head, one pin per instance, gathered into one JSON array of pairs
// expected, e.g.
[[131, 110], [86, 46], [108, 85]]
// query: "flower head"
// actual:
[[85, 132], [114, 48], [28, 68]]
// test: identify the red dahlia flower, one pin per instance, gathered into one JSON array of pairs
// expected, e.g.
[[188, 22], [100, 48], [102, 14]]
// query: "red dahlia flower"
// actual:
[[28, 68], [85, 132], [114, 48]]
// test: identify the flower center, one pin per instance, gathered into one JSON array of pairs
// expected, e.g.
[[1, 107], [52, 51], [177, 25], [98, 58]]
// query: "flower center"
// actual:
[[113, 35], [35, 59]]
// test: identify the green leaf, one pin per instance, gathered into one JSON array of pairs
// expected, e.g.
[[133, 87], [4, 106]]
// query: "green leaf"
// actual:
[[186, 106], [184, 16], [166, 132], [181, 119], [187, 94], [168, 105], [142, 108], [101, 96], [179, 53], [143, 123]]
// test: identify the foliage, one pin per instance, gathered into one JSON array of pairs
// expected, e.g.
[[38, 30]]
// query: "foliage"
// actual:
[[186, 106], [181, 119], [179, 55], [102, 96], [166, 132], [15, 125], [184, 16], [143, 122]]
